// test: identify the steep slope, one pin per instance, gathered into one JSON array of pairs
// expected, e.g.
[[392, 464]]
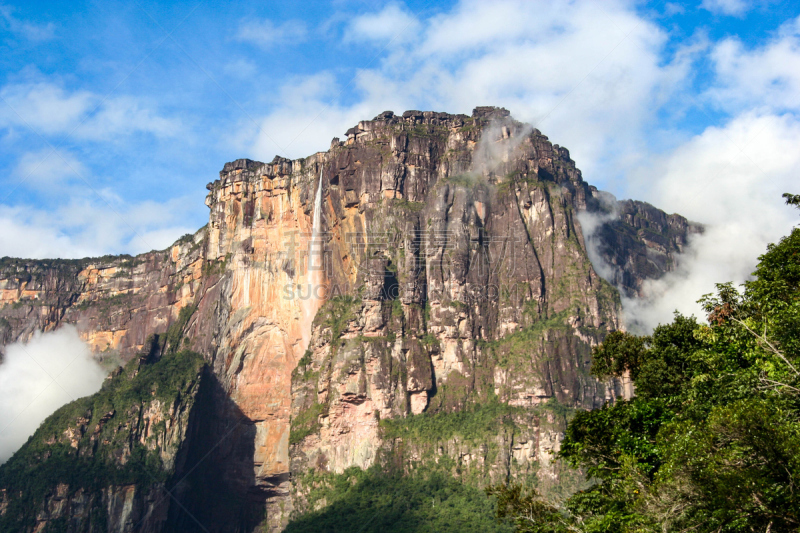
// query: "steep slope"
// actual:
[[453, 272], [108, 462]]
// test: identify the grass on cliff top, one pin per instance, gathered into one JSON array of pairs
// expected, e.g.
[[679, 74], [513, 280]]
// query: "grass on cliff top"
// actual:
[[375, 500], [47, 459]]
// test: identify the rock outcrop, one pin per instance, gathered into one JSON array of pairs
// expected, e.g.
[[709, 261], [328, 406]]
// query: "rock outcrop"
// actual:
[[637, 242], [455, 279]]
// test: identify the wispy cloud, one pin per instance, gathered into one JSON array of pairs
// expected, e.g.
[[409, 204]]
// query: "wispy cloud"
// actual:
[[267, 34], [50, 109], [393, 23], [600, 79], [594, 67], [40, 376], [28, 30], [48, 170], [618, 85], [727, 7], [86, 226], [767, 75], [731, 178]]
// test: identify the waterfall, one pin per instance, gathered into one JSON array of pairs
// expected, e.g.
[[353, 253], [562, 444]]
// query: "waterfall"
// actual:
[[312, 300]]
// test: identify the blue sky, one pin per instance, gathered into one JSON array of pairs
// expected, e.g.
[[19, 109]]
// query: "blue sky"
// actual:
[[114, 116]]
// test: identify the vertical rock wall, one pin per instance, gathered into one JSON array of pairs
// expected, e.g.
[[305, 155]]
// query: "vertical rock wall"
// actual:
[[455, 273]]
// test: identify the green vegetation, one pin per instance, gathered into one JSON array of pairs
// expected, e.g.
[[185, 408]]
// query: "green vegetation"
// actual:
[[218, 267], [473, 424], [92, 461], [525, 510], [28, 266], [430, 341], [516, 178], [459, 306], [130, 264], [414, 207], [466, 181], [335, 315], [711, 441], [337, 312], [174, 334], [519, 345], [386, 501], [185, 239], [469, 125], [173, 339], [304, 368], [104, 305], [427, 130], [305, 423], [397, 309]]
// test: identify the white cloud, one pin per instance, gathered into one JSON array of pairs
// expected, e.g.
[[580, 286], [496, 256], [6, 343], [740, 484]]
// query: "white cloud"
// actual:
[[43, 106], [734, 8], [266, 34], [730, 178], [591, 75], [767, 76], [29, 30], [47, 170], [49, 109], [123, 115], [393, 24], [39, 377], [87, 226], [595, 77], [671, 9], [308, 117], [240, 68]]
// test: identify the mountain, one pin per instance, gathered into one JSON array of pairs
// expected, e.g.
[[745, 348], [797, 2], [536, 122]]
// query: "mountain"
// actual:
[[451, 333]]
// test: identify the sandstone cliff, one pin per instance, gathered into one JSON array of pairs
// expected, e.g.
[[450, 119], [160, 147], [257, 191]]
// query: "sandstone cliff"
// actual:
[[454, 280]]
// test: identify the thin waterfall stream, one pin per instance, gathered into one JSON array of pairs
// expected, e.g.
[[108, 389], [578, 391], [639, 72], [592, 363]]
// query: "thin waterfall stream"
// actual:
[[314, 265]]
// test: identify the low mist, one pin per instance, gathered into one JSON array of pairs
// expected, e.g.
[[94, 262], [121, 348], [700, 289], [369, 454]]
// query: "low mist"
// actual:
[[730, 179], [497, 145], [38, 377], [725, 251]]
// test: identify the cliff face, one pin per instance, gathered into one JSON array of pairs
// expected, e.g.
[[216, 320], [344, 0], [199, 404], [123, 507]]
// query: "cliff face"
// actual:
[[116, 302], [479, 290], [451, 271]]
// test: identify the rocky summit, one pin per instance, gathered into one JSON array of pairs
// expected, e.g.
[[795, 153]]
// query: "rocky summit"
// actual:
[[438, 313]]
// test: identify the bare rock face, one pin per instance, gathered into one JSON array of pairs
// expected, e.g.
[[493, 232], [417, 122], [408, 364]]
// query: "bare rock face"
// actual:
[[116, 302], [453, 279], [478, 291]]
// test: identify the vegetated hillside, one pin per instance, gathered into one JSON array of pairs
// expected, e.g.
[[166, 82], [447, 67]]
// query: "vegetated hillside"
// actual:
[[101, 459], [711, 442], [455, 335]]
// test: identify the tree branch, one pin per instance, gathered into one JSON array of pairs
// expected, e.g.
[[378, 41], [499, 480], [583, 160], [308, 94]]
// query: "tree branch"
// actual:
[[769, 344]]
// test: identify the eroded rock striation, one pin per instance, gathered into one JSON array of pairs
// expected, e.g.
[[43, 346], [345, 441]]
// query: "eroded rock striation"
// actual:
[[458, 311]]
